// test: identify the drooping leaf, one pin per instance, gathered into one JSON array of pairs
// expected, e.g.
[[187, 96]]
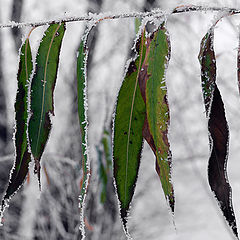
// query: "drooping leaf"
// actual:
[[83, 120], [82, 112], [154, 91], [42, 88], [218, 130], [208, 69], [23, 156], [128, 125]]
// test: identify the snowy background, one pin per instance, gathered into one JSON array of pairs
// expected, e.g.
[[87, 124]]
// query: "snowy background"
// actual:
[[54, 213]]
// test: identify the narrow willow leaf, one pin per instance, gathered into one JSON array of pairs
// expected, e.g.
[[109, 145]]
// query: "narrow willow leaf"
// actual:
[[23, 157], [128, 125], [154, 92], [42, 88], [82, 112], [218, 130], [83, 120]]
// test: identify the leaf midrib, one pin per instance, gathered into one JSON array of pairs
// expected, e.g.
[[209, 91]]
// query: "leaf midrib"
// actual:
[[130, 118], [44, 86]]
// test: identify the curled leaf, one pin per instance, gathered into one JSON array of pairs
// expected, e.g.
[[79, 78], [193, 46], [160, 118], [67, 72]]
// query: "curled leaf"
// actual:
[[218, 130], [82, 88], [83, 119], [154, 91]]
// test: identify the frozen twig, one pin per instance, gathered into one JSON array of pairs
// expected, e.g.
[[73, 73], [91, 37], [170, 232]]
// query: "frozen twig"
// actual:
[[101, 16]]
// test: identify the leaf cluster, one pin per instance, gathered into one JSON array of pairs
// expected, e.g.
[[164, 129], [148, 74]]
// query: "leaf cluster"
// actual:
[[141, 113]]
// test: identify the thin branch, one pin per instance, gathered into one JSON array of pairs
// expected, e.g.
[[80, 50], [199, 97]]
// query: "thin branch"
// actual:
[[101, 16]]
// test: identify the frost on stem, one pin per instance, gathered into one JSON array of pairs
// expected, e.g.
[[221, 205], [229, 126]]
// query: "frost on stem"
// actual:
[[97, 17]]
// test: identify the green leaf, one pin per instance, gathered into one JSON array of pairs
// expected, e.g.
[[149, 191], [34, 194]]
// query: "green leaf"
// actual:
[[82, 112], [218, 130], [42, 88], [154, 91], [23, 157], [128, 139], [208, 68], [137, 24]]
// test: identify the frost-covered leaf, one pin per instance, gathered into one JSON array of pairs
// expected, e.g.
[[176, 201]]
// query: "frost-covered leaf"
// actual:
[[218, 130], [208, 69], [82, 112], [83, 120], [23, 157], [42, 88], [128, 125], [154, 91]]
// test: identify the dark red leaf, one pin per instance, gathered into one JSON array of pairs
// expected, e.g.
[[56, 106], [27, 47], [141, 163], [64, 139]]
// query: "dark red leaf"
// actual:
[[218, 131]]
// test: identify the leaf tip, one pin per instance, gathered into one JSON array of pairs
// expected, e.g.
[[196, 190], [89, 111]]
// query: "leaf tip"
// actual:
[[124, 218], [171, 201]]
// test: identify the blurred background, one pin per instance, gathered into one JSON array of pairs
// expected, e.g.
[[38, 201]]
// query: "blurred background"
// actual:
[[53, 213]]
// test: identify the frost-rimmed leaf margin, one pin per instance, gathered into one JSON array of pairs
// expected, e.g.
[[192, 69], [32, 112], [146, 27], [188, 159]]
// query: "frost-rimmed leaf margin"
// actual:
[[132, 68], [82, 57], [22, 154], [42, 88], [153, 87], [217, 128]]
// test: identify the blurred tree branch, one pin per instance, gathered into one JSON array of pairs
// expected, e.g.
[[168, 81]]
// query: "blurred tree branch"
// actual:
[[17, 7]]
